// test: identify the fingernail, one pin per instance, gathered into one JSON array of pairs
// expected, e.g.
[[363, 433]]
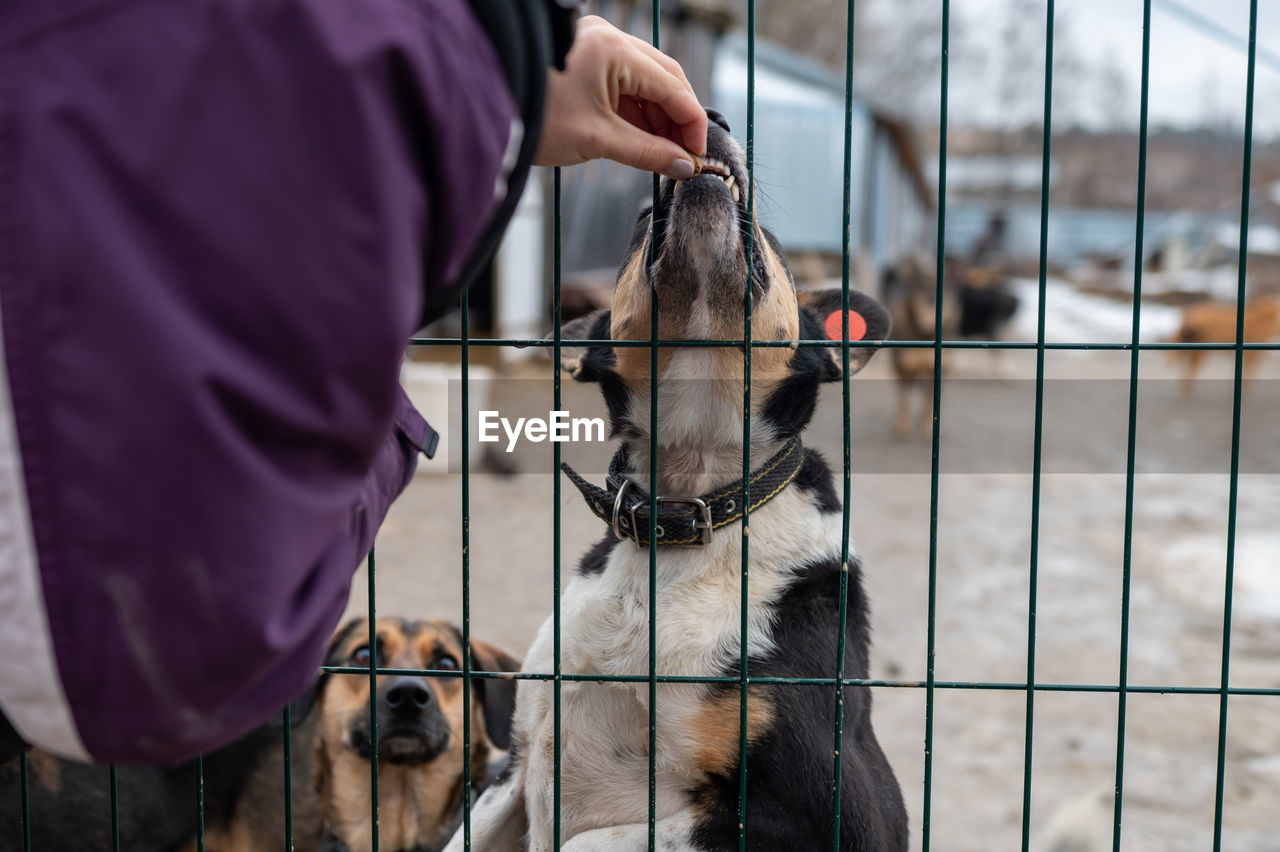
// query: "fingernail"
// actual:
[[680, 169]]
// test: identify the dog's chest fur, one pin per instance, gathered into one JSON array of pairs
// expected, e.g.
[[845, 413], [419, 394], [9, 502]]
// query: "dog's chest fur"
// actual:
[[605, 630]]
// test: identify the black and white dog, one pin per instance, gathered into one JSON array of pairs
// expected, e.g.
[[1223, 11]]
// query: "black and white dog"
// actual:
[[690, 250]]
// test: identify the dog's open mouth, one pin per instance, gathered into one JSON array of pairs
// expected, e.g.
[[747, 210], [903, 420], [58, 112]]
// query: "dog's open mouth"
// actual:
[[696, 225], [711, 167]]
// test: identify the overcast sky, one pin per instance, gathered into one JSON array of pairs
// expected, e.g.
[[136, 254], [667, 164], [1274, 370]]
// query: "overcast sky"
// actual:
[[1192, 73]]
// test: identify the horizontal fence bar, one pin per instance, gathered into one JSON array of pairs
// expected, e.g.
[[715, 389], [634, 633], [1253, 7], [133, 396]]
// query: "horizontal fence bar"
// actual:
[[819, 681], [836, 344]]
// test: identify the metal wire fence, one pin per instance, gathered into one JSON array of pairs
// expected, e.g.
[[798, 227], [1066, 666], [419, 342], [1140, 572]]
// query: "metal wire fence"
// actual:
[[837, 682]]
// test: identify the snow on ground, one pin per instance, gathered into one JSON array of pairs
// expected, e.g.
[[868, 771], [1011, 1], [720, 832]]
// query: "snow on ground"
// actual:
[[1075, 317], [1221, 283]]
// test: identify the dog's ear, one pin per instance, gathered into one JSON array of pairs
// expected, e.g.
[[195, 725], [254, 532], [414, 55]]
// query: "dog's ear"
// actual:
[[822, 318], [497, 695], [584, 362]]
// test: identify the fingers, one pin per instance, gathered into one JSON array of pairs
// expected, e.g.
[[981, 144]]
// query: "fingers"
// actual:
[[635, 147], [670, 65], [657, 80], [621, 98], [673, 68], [633, 112], [652, 85]]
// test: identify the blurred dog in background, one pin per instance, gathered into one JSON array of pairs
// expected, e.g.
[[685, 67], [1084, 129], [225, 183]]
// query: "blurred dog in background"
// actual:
[[977, 304], [1211, 322]]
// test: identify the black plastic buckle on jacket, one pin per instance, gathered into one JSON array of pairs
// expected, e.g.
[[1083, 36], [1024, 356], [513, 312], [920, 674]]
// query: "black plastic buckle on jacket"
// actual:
[[701, 524], [430, 442]]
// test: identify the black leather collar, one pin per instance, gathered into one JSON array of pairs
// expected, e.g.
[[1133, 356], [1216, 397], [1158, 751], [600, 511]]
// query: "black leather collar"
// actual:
[[682, 521]]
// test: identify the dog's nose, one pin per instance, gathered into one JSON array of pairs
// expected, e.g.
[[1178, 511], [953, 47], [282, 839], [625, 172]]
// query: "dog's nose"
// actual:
[[408, 695], [719, 119]]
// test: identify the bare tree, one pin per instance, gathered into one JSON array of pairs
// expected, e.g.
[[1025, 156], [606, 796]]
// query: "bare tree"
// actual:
[[897, 50], [1114, 98], [1020, 67], [816, 28]]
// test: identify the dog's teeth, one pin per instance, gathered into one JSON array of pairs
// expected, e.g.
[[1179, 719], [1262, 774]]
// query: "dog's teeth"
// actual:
[[730, 181], [714, 165], [737, 193]]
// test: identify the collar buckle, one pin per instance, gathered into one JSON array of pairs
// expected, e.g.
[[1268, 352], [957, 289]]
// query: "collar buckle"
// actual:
[[701, 524], [625, 484], [622, 512]]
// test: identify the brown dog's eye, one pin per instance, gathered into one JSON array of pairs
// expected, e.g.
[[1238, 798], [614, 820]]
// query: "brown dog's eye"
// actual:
[[446, 663], [360, 656]]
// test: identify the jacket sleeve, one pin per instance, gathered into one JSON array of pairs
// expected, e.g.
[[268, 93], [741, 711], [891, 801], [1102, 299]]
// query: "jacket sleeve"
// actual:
[[224, 218]]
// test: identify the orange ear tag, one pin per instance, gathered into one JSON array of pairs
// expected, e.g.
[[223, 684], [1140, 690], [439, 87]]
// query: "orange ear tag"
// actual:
[[835, 327]]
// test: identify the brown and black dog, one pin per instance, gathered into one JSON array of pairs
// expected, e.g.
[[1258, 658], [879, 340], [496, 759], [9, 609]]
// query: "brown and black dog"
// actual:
[[1210, 322], [421, 755], [421, 760]]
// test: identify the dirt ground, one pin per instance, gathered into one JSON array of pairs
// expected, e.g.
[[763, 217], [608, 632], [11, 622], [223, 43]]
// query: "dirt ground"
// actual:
[[1179, 540]]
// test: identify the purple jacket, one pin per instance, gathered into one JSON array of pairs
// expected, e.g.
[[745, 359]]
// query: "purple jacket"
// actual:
[[217, 221]]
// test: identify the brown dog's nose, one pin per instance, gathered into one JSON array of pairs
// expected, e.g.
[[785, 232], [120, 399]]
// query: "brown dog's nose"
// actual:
[[408, 696]]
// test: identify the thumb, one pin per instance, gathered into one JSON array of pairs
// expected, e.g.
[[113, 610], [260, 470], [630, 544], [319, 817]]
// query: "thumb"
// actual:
[[629, 145]]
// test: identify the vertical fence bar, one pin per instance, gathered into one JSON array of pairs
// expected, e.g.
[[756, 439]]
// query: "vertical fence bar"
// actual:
[[373, 707], [1122, 705], [24, 779], [653, 509], [288, 779], [199, 804], [1233, 497], [937, 420], [115, 810], [746, 422], [1032, 582], [843, 619], [555, 510], [464, 439]]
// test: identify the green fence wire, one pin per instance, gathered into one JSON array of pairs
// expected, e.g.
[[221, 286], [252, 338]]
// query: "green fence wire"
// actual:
[[653, 508], [1122, 707], [372, 672], [838, 682], [936, 435], [555, 518], [846, 455], [746, 426], [1038, 436], [1234, 493]]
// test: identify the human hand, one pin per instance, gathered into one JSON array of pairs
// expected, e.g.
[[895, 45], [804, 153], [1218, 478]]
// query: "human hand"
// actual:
[[621, 98]]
